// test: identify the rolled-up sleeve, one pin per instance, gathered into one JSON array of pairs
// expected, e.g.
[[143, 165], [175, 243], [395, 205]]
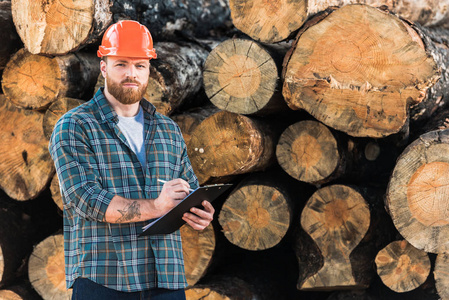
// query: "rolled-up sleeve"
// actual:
[[75, 163]]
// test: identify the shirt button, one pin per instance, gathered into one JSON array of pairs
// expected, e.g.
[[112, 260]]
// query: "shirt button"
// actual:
[[153, 243]]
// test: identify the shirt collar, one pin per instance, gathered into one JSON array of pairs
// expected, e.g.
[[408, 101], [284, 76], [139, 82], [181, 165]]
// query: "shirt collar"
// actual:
[[108, 113]]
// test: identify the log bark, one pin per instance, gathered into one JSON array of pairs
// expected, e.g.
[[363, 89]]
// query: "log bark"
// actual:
[[416, 196], [8, 35], [15, 247], [277, 20], [402, 267], [341, 230], [242, 76], [258, 212], [436, 41], [176, 76], [358, 70], [198, 248], [229, 144], [26, 166], [441, 272], [56, 110], [166, 20], [58, 27], [35, 81], [46, 269]]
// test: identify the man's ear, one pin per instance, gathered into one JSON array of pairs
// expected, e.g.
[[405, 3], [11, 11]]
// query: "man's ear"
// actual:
[[103, 68]]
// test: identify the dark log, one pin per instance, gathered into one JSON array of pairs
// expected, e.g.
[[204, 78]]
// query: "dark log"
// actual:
[[26, 165], [416, 197], [242, 76], [8, 35], [35, 81], [358, 70], [402, 267], [15, 247], [166, 20], [57, 27]]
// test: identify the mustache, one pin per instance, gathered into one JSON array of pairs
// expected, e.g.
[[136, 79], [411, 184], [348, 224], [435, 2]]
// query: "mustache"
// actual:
[[129, 81]]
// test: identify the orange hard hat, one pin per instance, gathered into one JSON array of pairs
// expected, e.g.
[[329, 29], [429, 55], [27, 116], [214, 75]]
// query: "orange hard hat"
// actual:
[[128, 39]]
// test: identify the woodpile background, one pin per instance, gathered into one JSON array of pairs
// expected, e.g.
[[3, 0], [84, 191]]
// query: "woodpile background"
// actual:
[[330, 117]]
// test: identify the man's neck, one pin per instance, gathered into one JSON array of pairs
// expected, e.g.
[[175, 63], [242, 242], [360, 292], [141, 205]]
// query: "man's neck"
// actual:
[[123, 110]]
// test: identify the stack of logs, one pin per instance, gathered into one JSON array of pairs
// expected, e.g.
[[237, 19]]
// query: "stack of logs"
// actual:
[[330, 118]]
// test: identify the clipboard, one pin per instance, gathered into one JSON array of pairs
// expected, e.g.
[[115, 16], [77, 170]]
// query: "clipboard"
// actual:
[[172, 221]]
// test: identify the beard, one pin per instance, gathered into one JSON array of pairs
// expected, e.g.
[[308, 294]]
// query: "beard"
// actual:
[[124, 95]]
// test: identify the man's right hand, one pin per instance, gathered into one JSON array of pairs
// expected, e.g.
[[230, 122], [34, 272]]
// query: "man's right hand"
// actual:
[[172, 192]]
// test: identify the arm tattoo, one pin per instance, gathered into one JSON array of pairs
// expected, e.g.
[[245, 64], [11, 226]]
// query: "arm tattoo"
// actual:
[[129, 213]]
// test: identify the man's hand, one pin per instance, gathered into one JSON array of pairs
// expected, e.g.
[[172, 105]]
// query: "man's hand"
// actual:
[[172, 192], [200, 218]]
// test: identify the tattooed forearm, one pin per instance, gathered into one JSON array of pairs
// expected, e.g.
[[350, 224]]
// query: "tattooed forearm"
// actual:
[[129, 213]]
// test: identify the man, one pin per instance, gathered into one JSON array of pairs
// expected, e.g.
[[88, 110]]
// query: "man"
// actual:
[[110, 154]]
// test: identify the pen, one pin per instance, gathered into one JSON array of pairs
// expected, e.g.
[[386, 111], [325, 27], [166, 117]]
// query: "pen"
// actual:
[[164, 181]]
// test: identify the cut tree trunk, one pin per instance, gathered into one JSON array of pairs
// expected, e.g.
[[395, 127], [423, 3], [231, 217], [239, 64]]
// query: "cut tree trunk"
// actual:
[[358, 70], [35, 81], [229, 144], [176, 75], [59, 27], [56, 110], [46, 269], [258, 213], [166, 20], [424, 12], [198, 248], [416, 197], [402, 267], [268, 21], [311, 152], [26, 165], [242, 76], [8, 35], [341, 230], [15, 247], [21, 291], [276, 20]]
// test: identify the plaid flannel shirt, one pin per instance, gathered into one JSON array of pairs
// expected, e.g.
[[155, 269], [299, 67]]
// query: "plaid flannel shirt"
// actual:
[[93, 163]]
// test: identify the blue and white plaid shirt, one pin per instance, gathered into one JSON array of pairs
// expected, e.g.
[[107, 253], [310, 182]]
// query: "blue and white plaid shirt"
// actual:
[[93, 163]]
